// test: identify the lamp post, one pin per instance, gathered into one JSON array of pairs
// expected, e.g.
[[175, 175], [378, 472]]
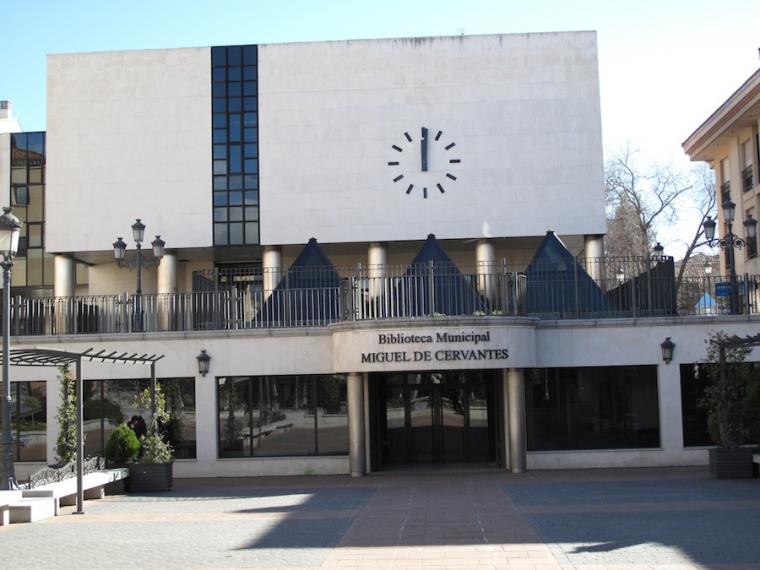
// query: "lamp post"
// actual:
[[119, 252], [730, 242], [10, 228]]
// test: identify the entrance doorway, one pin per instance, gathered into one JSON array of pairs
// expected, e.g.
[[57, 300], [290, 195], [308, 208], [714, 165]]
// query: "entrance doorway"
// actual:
[[432, 417]]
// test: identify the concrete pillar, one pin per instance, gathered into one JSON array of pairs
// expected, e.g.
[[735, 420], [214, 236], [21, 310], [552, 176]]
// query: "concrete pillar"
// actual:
[[367, 449], [517, 438], [485, 264], [504, 395], [356, 453], [377, 272], [593, 251], [669, 394], [64, 286], [65, 276], [167, 273], [272, 268]]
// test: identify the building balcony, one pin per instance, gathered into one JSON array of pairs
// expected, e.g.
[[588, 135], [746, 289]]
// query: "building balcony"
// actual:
[[315, 296]]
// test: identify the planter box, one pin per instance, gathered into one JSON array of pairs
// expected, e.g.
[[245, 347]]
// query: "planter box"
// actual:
[[149, 478], [731, 463]]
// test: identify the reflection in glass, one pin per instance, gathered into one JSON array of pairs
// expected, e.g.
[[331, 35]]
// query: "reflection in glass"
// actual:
[[29, 420]]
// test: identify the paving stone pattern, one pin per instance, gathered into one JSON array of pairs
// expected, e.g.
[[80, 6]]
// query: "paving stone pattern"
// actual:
[[674, 519]]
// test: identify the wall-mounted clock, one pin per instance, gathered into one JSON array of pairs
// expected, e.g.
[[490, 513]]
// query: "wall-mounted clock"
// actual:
[[424, 164]]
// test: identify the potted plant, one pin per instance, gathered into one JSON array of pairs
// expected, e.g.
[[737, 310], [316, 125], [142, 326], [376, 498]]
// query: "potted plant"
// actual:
[[726, 402], [122, 447], [153, 470]]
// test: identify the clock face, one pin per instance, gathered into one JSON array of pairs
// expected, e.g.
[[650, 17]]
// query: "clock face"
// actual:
[[425, 164]]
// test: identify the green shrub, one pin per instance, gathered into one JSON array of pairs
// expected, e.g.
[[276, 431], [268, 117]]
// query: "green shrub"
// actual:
[[155, 450], [122, 446]]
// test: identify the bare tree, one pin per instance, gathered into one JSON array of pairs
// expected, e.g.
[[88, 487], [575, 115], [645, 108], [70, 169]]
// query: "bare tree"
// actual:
[[703, 198], [637, 201]]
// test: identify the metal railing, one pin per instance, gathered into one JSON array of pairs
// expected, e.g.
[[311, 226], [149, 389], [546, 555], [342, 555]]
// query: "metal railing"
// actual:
[[54, 474], [588, 288], [747, 179]]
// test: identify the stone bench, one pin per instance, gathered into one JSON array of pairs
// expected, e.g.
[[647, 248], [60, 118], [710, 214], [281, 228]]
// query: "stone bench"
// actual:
[[64, 493], [7, 498]]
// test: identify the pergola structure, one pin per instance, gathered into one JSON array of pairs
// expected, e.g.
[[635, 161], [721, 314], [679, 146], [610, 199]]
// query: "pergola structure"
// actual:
[[53, 357]]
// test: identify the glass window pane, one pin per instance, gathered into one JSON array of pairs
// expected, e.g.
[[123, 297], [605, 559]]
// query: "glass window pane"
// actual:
[[220, 234], [236, 234], [234, 55], [18, 175], [251, 165], [219, 89], [612, 407], [29, 420], [220, 120], [251, 135], [35, 235], [251, 198], [236, 198], [180, 403], [251, 182], [250, 119], [220, 198], [219, 105], [36, 145], [287, 416], [220, 136], [234, 417], [219, 74], [34, 267], [234, 105], [218, 56], [19, 269], [220, 214], [220, 182], [235, 159], [220, 167], [20, 196], [36, 203], [234, 89], [35, 175], [249, 72], [251, 150], [332, 421], [220, 151], [236, 182], [249, 103], [249, 55], [252, 232], [235, 133], [252, 214], [249, 88], [233, 73], [236, 214]]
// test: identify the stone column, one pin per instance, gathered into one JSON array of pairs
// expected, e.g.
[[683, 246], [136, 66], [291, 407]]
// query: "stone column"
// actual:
[[356, 453], [272, 268], [504, 396], [669, 395], [593, 251], [166, 288], [517, 439], [485, 264], [377, 272], [64, 286]]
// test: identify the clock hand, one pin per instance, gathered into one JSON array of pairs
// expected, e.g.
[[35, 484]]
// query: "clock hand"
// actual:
[[423, 149]]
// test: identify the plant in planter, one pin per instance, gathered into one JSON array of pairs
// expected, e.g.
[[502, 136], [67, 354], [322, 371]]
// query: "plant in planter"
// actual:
[[725, 401], [122, 447], [153, 470]]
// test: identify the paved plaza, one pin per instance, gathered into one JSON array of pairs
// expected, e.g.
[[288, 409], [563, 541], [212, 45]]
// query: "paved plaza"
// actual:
[[590, 519]]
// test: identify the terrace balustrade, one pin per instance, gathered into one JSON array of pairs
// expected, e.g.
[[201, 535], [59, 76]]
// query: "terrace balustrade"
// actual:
[[238, 299]]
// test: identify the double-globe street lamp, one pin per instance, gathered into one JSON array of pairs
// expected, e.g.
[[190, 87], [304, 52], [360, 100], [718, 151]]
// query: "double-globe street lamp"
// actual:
[[119, 251], [730, 242], [10, 228]]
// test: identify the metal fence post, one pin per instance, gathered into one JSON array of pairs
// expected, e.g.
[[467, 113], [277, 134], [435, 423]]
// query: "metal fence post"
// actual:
[[431, 288]]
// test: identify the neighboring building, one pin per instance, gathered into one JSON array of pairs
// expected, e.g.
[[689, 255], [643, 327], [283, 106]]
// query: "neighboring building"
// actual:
[[728, 141], [494, 341]]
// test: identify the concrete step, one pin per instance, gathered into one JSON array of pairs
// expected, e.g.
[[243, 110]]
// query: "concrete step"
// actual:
[[31, 510]]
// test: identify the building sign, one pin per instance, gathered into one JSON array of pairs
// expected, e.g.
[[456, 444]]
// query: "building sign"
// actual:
[[445, 346]]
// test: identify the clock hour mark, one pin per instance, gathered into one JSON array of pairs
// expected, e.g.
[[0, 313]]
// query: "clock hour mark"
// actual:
[[408, 137], [451, 176], [450, 145], [395, 163], [452, 161], [440, 188], [423, 149], [408, 190], [394, 147], [424, 192], [438, 135], [399, 177]]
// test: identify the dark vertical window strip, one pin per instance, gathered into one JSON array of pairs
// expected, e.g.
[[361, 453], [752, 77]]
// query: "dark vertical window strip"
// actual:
[[234, 74]]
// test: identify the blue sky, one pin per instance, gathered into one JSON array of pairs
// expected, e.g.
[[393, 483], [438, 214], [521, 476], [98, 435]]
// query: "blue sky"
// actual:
[[664, 65]]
